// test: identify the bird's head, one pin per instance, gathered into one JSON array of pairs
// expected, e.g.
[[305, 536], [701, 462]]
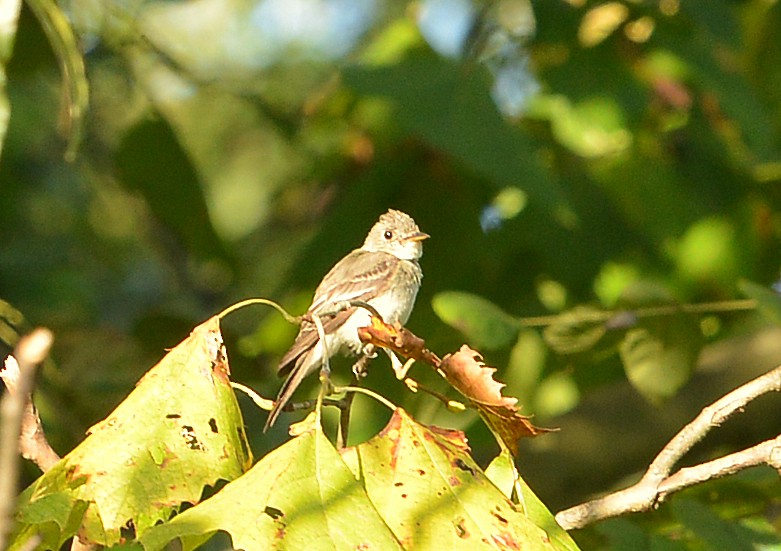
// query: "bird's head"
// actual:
[[398, 234]]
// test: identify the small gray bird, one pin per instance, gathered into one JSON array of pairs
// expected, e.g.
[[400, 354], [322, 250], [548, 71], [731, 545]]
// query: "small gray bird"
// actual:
[[384, 272]]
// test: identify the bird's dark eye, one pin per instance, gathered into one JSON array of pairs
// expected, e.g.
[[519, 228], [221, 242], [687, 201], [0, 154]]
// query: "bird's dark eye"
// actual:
[[388, 235]]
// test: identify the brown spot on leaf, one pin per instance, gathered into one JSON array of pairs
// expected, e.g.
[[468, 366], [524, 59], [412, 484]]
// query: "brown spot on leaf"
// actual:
[[503, 540], [213, 425], [273, 512], [190, 438], [461, 464], [499, 517], [461, 530]]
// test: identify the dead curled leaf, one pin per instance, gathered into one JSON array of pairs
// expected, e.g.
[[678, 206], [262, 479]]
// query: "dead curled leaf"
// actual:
[[399, 339], [467, 373]]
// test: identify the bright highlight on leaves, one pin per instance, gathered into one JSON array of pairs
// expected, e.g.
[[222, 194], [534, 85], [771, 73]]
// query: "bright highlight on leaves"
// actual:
[[503, 473], [178, 431], [433, 495], [410, 487], [300, 496]]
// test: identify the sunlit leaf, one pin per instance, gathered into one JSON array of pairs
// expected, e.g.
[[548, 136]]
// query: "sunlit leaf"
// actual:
[[179, 431], [433, 495], [468, 374], [503, 473], [485, 325], [300, 496]]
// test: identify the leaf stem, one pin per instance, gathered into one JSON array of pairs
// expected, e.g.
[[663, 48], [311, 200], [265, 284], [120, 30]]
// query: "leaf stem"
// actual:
[[264, 301], [260, 401], [361, 390]]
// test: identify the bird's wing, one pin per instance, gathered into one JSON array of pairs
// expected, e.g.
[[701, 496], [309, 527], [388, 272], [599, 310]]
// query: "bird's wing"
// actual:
[[361, 275]]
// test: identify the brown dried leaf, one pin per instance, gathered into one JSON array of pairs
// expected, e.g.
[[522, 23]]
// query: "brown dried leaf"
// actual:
[[399, 339], [468, 374], [510, 425]]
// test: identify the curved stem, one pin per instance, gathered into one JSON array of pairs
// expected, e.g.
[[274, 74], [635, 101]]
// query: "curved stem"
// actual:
[[260, 401], [264, 301], [360, 390]]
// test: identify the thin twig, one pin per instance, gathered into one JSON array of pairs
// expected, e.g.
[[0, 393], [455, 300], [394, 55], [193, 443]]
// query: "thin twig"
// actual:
[[647, 312], [359, 370], [325, 369], [17, 415], [658, 482]]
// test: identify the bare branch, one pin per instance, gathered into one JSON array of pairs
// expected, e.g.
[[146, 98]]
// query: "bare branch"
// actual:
[[658, 482], [21, 426]]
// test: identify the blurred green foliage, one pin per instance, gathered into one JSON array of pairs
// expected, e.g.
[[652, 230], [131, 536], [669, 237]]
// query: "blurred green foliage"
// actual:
[[235, 149]]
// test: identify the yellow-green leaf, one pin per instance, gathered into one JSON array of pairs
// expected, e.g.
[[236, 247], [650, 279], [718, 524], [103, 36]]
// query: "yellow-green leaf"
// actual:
[[178, 431], [433, 495], [503, 473], [300, 496]]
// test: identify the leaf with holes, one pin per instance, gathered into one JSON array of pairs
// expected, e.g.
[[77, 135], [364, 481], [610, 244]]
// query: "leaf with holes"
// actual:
[[179, 431], [300, 496], [433, 495]]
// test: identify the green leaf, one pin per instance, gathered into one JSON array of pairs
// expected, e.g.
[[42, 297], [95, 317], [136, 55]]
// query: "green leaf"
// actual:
[[433, 495], [451, 109], [178, 431], [768, 301], [74, 75], [140, 168], [300, 496], [716, 532], [503, 473], [660, 357], [623, 534], [576, 330], [484, 324], [10, 20]]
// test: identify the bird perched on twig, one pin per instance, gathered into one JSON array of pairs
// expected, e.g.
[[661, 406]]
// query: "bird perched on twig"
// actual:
[[384, 273]]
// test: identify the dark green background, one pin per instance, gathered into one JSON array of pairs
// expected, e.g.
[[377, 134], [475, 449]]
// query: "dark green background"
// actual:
[[648, 173]]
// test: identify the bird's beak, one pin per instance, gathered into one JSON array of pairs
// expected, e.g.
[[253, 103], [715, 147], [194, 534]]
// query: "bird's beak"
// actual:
[[417, 236]]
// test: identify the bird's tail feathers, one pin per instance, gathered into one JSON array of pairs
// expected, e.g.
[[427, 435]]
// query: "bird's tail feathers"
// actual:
[[290, 385]]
